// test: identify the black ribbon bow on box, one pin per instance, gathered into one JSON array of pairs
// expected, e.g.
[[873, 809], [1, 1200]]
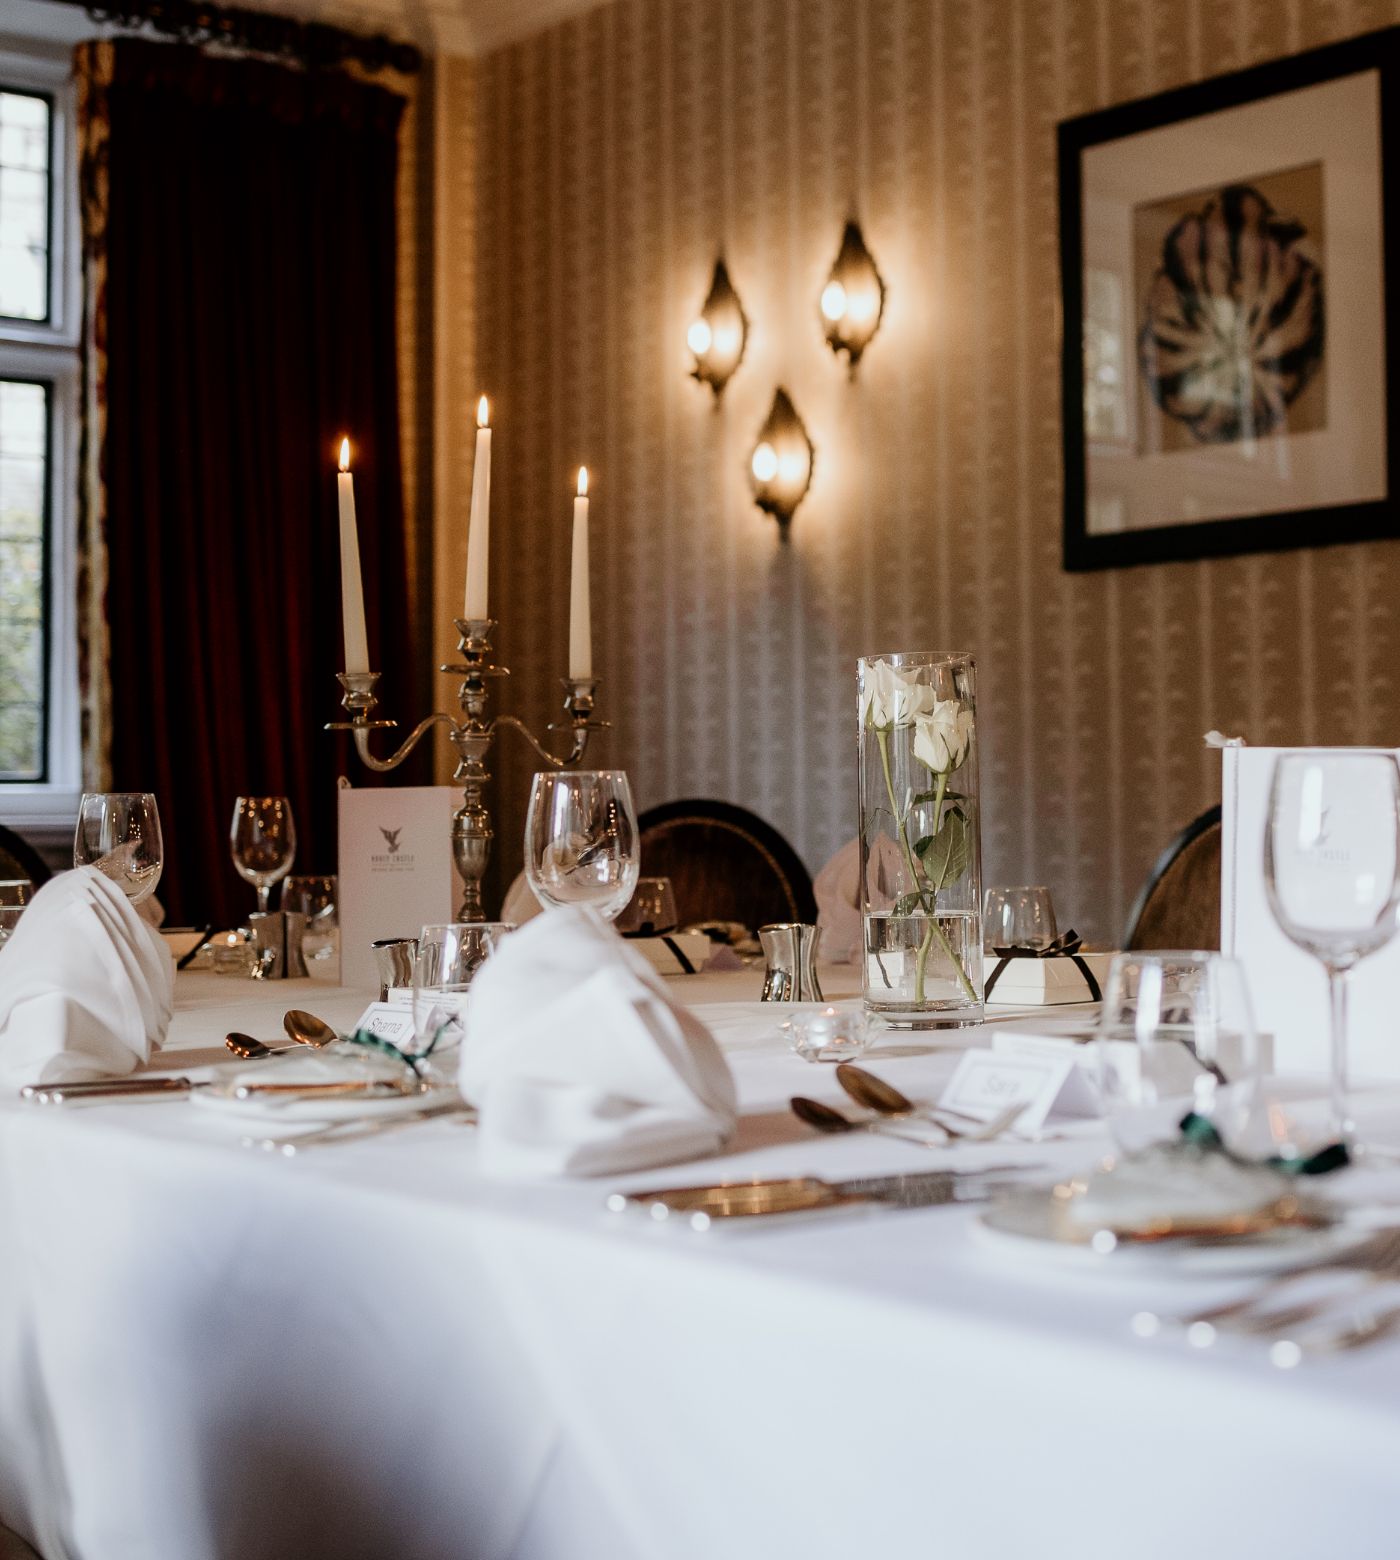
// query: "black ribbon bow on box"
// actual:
[[1065, 946]]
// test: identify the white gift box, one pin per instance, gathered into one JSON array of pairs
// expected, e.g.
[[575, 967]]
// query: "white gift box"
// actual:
[[1287, 987], [1043, 982], [661, 952]]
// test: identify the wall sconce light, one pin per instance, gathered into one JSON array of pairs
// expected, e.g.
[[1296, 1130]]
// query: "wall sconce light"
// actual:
[[717, 337], [781, 466], [853, 299]]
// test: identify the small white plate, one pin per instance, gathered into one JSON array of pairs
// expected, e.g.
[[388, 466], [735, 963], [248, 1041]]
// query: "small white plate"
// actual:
[[344, 1107], [1032, 1223]]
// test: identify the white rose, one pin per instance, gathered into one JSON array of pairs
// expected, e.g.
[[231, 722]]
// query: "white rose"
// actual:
[[888, 699], [941, 739]]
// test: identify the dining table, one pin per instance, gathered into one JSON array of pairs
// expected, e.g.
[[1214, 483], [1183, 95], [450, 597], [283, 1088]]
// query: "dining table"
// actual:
[[213, 1352]]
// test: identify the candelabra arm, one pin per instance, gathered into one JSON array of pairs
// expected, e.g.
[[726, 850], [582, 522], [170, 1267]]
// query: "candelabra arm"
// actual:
[[554, 762], [411, 741]]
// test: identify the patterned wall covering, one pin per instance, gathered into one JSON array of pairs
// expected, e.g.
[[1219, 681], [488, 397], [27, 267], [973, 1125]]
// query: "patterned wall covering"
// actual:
[[615, 155]]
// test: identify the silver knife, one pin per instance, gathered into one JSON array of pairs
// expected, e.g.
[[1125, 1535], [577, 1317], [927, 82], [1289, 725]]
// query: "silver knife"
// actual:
[[166, 1086], [725, 1200]]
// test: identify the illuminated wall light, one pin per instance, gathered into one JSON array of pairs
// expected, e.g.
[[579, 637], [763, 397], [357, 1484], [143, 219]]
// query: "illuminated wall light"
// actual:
[[781, 465], [718, 336], [853, 300]]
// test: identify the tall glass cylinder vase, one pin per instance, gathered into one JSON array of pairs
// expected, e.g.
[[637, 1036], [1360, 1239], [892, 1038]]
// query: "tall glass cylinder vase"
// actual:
[[920, 839]]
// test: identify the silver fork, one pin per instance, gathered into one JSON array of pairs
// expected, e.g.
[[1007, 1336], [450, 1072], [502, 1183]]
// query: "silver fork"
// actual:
[[1374, 1261]]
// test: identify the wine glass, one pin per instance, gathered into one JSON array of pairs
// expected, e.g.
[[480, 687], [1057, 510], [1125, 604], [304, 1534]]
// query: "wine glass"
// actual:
[[448, 958], [263, 841], [1017, 918], [1332, 873], [651, 912], [581, 845], [1176, 1035], [118, 832]]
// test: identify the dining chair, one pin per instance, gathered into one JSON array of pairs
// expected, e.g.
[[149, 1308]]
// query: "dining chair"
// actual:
[[725, 863], [1179, 905], [19, 859]]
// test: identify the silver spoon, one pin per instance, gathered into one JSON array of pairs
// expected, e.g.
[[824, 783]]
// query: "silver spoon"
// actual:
[[825, 1119], [306, 1029], [877, 1095]]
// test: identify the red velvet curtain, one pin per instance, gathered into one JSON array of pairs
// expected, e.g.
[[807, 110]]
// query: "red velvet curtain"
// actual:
[[249, 323]]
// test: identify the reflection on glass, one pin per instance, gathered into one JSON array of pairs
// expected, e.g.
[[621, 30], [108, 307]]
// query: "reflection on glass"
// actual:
[[24, 206]]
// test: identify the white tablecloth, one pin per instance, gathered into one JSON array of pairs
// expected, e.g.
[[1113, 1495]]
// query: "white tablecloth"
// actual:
[[370, 1352]]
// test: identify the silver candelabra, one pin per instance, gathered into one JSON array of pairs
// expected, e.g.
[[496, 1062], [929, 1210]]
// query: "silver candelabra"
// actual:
[[472, 736]]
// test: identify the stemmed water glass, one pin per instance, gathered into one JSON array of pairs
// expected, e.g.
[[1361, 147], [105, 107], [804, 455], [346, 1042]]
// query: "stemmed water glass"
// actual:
[[263, 841], [581, 844], [118, 832], [1332, 872]]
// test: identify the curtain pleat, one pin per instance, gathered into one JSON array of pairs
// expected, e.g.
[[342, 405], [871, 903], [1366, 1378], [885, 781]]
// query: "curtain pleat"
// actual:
[[242, 292]]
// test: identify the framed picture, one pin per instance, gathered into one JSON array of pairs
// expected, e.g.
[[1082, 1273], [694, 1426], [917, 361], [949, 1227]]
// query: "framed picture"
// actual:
[[1231, 327]]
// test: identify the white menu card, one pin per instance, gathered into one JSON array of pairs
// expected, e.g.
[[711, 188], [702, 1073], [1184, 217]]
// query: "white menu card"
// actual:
[[396, 871], [1287, 987]]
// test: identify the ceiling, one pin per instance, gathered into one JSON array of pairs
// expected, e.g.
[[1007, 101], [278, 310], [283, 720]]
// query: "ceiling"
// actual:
[[440, 26]]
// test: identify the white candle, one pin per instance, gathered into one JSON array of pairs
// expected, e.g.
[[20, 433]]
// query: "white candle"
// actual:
[[352, 595], [580, 613], [479, 523]]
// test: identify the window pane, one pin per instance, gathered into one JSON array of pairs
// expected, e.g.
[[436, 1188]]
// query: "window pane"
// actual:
[[24, 421], [24, 206]]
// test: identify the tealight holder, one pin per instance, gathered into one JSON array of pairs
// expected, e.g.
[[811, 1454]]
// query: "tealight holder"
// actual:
[[838, 1032]]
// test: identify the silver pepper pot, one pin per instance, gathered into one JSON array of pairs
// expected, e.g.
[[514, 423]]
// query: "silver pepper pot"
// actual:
[[394, 958], [790, 951]]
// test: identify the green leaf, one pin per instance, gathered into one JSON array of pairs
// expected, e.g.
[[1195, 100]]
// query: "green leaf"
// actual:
[[947, 854], [907, 904]]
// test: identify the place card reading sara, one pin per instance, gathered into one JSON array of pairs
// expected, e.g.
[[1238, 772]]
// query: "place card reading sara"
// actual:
[[986, 1082]]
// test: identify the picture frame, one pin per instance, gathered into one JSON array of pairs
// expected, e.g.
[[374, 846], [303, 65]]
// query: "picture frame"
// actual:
[[1231, 327]]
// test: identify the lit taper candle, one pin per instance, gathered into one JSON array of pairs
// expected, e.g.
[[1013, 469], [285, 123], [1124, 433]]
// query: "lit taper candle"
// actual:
[[479, 522], [352, 595], [580, 612]]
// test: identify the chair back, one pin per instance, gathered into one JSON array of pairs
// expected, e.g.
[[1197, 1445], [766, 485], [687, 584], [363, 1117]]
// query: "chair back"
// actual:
[[1179, 906], [725, 864], [19, 859]]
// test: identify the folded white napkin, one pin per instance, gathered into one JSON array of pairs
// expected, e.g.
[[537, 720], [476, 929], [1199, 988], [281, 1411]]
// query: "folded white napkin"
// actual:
[[579, 1061], [86, 986], [837, 892]]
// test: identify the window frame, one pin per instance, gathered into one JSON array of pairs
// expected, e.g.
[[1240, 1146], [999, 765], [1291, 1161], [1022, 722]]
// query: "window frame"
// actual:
[[47, 352]]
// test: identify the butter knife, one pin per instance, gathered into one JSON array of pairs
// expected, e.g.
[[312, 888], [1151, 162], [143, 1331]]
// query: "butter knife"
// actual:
[[167, 1086], [702, 1205]]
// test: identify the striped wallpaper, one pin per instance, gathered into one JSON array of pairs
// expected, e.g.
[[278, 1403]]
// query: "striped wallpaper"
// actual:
[[586, 181]]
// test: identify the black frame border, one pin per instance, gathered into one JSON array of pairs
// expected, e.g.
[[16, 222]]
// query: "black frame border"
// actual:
[[1318, 526]]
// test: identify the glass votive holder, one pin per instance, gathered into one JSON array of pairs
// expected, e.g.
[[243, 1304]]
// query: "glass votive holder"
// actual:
[[1017, 918], [837, 1032]]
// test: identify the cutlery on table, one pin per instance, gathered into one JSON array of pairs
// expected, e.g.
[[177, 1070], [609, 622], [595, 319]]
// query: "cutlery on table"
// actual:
[[306, 1029], [167, 1087], [250, 1050], [353, 1131], [877, 1095], [701, 1205], [825, 1118]]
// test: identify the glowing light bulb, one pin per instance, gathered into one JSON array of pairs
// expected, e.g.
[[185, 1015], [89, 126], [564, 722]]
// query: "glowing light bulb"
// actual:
[[833, 301], [765, 463], [699, 337]]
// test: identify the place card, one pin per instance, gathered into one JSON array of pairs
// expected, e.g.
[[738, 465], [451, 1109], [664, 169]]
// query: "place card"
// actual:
[[396, 872], [389, 1021], [986, 1082]]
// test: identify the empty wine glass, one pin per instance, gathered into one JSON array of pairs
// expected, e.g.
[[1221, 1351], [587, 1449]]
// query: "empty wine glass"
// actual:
[[1332, 872], [581, 845], [448, 958], [118, 832], [263, 841], [651, 911], [1017, 918], [1176, 1035]]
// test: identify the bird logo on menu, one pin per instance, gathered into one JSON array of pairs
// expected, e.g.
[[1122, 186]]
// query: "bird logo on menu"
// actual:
[[391, 838]]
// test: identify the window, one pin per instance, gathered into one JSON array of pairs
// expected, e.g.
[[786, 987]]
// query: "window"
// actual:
[[39, 766]]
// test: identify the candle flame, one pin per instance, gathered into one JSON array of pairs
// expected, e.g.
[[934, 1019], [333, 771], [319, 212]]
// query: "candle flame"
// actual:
[[345, 454], [583, 481], [483, 413]]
